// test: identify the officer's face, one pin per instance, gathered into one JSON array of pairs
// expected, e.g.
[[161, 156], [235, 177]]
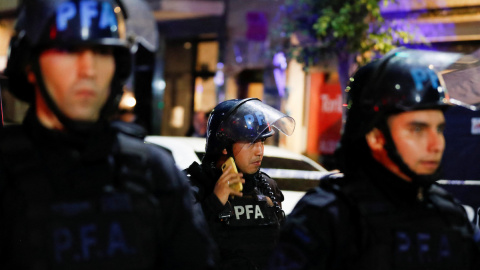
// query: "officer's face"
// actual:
[[248, 156], [78, 81], [418, 137]]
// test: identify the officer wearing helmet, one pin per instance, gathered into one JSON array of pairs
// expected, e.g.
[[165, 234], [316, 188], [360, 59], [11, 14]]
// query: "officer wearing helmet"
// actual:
[[244, 222], [385, 211], [77, 192]]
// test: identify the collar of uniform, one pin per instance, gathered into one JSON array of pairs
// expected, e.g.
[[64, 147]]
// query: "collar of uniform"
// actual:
[[86, 146], [396, 189], [250, 182]]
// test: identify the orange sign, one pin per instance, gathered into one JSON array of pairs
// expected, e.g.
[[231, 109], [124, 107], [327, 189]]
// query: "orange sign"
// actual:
[[325, 115]]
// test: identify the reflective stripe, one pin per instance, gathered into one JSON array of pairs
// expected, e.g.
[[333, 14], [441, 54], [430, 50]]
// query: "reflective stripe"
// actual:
[[294, 174]]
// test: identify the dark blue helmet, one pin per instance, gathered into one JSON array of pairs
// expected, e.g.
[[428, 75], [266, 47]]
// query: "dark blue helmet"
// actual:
[[66, 24], [403, 80], [245, 120]]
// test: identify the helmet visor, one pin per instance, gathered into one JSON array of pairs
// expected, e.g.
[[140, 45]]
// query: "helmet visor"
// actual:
[[462, 79], [457, 72], [254, 120]]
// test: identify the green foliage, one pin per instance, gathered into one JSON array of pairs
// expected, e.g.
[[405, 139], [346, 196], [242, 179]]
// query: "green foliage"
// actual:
[[326, 28]]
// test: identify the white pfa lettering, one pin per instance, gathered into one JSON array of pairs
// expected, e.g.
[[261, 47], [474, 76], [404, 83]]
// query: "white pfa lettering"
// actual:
[[239, 210], [258, 212], [247, 211]]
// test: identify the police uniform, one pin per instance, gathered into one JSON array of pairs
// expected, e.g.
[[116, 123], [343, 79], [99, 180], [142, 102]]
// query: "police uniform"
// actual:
[[245, 228], [376, 220], [104, 200], [371, 218], [87, 194]]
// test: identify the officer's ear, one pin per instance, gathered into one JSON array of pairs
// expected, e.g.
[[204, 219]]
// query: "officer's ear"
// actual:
[[222, 158], [375, 140]]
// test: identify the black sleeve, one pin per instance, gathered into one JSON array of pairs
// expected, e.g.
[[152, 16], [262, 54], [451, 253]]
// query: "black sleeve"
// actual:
[[187, 243], [204, 196], [212, 206], [311, 236]]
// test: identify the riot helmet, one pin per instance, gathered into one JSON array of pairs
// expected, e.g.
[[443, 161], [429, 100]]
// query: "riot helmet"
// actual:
[[245, 120], [67, 25], [403, 80]]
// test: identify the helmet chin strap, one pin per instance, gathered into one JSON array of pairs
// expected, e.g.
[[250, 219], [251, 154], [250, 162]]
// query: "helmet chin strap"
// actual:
[[76, 126], [422, 180]]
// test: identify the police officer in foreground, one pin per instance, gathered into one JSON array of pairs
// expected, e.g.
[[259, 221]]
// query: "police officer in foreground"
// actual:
[[385, 211], [75, 191], [244, 222]]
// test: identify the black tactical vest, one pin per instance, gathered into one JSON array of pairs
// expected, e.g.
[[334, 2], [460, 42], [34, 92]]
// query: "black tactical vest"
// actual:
[[247, 232], [115, 227], [251, 210], [434, 235]]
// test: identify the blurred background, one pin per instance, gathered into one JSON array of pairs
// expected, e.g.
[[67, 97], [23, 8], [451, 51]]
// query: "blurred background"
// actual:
[[293, 55]]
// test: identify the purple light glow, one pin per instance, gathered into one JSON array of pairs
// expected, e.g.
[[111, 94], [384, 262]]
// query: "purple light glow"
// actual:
[[280, 63]]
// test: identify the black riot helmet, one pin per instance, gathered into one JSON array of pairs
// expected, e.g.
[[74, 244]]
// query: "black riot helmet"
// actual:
[[243, 120], [403, 80], [66, 25]]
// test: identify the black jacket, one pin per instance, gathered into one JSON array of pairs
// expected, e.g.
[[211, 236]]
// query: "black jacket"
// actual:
[[374, 220], [244, 229], [99, 200]]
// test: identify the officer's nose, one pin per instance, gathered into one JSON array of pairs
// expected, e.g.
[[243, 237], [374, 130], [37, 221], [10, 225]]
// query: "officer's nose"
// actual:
[[86, 63], [258, 148], [436, 142]]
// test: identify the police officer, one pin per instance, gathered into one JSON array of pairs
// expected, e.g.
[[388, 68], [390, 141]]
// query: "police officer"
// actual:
[[385, 211], [244, 223], [75, 191]]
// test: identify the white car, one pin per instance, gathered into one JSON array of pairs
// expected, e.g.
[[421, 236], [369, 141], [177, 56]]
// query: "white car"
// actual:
[[293, 172]]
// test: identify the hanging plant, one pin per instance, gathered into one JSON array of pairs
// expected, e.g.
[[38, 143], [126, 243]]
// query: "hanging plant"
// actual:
[[322, 29]]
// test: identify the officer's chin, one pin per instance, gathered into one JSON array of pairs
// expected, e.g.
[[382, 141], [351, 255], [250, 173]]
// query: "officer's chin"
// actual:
[[251, 171]]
